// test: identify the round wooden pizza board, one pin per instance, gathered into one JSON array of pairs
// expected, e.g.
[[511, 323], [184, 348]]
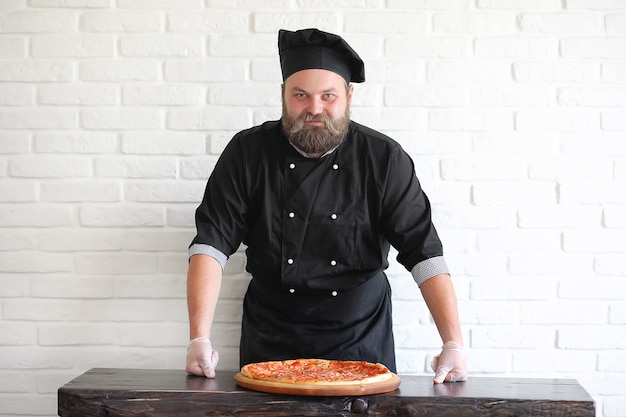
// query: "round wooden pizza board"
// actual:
[[318, 389]]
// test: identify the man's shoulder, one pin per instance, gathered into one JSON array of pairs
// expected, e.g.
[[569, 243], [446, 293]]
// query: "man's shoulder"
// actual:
[[366, 135], [269, 127]]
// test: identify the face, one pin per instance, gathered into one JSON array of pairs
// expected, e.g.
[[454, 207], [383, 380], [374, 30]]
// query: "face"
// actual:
[[316, 110]]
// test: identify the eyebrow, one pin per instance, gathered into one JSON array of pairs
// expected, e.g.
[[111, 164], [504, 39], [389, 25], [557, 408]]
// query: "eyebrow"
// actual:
[[302, 90]]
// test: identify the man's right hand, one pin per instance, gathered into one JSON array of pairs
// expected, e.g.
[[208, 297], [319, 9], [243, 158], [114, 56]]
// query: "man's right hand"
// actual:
[[201, 358]]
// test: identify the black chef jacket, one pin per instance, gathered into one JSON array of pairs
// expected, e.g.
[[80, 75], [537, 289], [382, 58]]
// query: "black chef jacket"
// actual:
[[317, 233]]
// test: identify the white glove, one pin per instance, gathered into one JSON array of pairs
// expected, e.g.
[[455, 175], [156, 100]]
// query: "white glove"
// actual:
[[450, 365], [201, 358]]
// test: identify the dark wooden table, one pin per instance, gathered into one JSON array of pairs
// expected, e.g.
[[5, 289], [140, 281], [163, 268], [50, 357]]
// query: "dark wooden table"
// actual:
[[144, 392]]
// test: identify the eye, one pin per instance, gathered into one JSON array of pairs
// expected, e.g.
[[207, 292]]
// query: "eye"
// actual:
[[329, 96], [300, 95]]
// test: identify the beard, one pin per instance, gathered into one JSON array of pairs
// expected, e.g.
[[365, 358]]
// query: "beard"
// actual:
[[316, 139]]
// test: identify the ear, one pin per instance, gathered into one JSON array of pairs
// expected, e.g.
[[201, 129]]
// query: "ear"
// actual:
[[350, 91]]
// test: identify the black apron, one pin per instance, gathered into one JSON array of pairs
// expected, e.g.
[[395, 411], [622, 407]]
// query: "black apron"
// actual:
[[349, 324]]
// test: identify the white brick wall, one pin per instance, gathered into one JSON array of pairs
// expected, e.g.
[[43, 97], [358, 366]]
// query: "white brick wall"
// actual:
[[113, 114]]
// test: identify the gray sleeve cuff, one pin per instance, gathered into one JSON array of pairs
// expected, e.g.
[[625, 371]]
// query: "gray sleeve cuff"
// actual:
[[201, 249], [429, 268]]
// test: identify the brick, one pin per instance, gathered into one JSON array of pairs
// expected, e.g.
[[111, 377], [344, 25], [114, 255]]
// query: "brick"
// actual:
[[49, 167], [513, 337], [372, 22], [512, 288], [71, 3], [606, 288], [155, 240], [471, 71], [563, 312], [36, 71], [550, 264], [152, 287], [131, 167], [560, 360], [13, 48], [570, 169], [80, 240], [591, 192], [157, 45], [601, 143], [416, 46], [16, 382], [473, 217], [520, 4], [213, 21], [611, 361], [55, 334], [121, 22], [514, 96], [163, 143], [113, 263], [65, 286], [614, 72], [594, 4], [516, 143], [518, 241], [474, 23], [125, 215], [80, 95], [594, 241], [559, 216], [574, 23], [125, 119], [18, 333], [41, 215], [462, 169], [268, 70], [17, 239], [397, 95], [71, 46], [272, 22], [237, 45], [128, 310], [164, 95], [556, 120], [173, 192], [18, 192], [75, 142], [429, 4], [556, 72], [454, 119], [154, 335], [160, 4], [516, 193], [614, 216], [181, 215], [218, 117], [596, 337], [37, 118], [515, 47], [80, 191], [207, 70], [42, 309], [245, 95], [613, 120], [123, 70], [35, 357], [593, 47], [592, 97], [197, 169], [489, 361], [483, 313], [14, 143], [617, 313], [20, 21]]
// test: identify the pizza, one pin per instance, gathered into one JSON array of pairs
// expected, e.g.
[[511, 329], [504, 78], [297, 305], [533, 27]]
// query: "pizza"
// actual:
[[317, 372]]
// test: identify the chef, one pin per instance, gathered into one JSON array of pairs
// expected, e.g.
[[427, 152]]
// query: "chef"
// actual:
[[317, 199]]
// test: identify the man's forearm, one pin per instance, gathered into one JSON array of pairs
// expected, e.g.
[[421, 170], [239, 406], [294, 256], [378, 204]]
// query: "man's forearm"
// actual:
[[204, 279], [440, 298]]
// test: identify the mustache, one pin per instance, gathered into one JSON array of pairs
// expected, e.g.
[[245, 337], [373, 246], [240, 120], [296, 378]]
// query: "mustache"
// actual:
[[299, 123]]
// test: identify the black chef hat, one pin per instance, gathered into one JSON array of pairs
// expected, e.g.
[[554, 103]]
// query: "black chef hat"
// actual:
[[314, 49]]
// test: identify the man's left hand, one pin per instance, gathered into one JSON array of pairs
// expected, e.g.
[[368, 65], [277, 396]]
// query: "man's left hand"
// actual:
[[450, 365]]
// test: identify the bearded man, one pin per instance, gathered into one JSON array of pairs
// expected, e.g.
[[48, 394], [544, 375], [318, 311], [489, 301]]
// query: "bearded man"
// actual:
[[317, 199]]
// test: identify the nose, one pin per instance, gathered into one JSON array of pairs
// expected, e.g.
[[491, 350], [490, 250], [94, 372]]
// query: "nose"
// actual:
[[316, 106]]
